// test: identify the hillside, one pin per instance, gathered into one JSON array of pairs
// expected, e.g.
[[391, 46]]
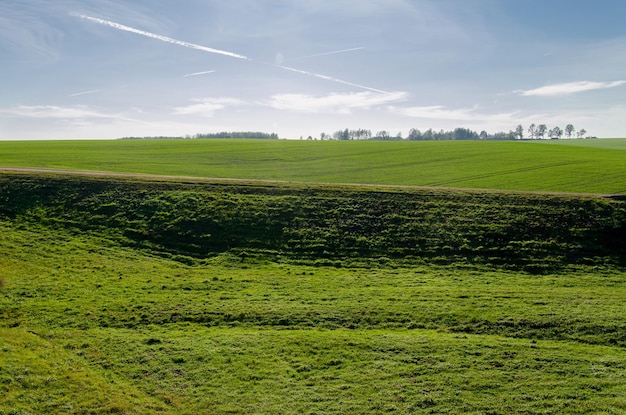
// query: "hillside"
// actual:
[[328, 224], [167, 296]]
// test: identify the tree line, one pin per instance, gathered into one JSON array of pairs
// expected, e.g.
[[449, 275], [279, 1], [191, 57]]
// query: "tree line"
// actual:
[[534, 132], [224, 134]]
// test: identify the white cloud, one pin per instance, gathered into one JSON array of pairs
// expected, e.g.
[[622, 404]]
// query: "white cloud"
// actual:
[[206, 107], [437, 112], [56, 112], [334, 103], [569, 88]]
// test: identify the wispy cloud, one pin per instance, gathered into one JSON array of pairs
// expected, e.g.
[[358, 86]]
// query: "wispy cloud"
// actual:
[[57, 112], [334, 103], [25, 34], [437, 112], [569, 88], [207, 107]]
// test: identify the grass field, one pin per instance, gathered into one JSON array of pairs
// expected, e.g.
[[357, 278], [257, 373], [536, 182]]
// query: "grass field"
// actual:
[[137, 296], [146, 295], [580, 166], [89, 327]]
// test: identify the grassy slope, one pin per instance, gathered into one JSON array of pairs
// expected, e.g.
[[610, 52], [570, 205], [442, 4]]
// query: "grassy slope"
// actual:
[[594, 166], [330, 225], [91, 321]]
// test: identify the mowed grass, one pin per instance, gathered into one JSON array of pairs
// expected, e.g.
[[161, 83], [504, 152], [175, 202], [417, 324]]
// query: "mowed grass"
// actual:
[[90, 327], [581, 166]]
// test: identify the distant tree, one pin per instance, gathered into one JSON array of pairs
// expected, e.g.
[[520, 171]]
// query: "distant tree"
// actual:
[[558, 132], [541, 131], [414, 134], [519, 132], [501, 135], [464, 134], [442, 135], [341, 135], [428, 134], [382, 135], [238, 134], [569, 130], [483, 135], [581, 133], [532, 130], [555, 133], [362, 134]]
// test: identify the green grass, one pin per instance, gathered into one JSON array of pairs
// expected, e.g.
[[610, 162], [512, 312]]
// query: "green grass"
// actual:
[[159, 297], [90, 327], [611, 143], [585, 166], [331, 225]]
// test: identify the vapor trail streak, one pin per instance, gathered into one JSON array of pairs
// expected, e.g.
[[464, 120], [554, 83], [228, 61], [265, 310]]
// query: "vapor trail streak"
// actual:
[[330, 78], [199, 73], [329, 53], [159, 37], [218, 51], [93, 91]]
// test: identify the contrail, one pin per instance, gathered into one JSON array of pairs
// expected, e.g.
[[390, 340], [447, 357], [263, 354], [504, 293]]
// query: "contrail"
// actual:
[[330, 78], [93, 91], [328, 53], [218, 51], [159, 37], [199, 73]]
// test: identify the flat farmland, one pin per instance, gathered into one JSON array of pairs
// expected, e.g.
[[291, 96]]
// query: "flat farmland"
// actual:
[[577, 166]]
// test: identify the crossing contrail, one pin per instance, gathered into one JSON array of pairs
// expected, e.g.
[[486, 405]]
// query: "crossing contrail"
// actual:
[[170, 40]]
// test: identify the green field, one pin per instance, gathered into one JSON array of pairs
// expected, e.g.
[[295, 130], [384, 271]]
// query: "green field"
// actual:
[[297, 290], [152, 296], [579, 166]]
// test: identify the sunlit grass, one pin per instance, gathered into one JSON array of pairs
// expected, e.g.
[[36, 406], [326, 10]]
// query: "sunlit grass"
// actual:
[[92, 327], [587, 166]]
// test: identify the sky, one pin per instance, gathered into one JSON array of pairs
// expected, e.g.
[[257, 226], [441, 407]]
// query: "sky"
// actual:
[[98, 69]]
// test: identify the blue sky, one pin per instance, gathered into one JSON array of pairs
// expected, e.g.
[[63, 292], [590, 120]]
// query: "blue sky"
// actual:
[[114, 68]]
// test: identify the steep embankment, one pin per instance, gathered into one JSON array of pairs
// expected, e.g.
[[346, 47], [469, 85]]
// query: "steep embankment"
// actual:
[[328, 225]]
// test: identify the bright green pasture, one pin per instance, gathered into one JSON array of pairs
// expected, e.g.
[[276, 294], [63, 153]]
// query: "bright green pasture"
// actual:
[[593, 166], [608, 143], [90, 327]]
